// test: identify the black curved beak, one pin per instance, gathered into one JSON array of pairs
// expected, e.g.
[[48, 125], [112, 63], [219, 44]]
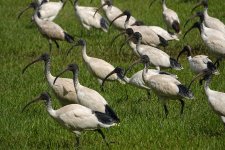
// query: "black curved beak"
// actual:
[[103, 81], [60, 75], [31, 102], [131, 66], [70, 49], [99, 8], [25, 9], [116, 18], [33, 62], [198, 76], [152, 3], [181, 52], [122, 33], [128, 39], [189, 19], [196, 6], [194, 26]]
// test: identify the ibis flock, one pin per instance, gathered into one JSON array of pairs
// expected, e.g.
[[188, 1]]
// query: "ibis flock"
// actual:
[[84, 108]]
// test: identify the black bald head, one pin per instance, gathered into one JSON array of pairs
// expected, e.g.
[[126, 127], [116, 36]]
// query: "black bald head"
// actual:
[[45, 96], [137, 35], [127, 13], [81, 42], [119, 71], [45, 57], [145, 59], [73, 67], [129, 31]]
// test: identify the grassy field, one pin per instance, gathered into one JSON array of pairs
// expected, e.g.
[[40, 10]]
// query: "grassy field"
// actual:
[[143, 123]]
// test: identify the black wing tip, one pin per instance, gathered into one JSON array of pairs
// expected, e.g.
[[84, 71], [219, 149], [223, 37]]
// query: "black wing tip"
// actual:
[[185, 92]]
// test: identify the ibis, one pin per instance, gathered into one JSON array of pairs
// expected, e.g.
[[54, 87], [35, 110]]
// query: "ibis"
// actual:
[[88, 97], [164, 86], [198, 63], [63, 89], [76, 118], [209, 21], [99, 68], [170, 18], [87, 18]]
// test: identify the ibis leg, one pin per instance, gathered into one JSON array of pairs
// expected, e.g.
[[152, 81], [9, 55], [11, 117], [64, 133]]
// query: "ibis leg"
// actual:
[[182, 106], [166, 110], [103, 136], [77, 142], [57, 45], [50, 46]]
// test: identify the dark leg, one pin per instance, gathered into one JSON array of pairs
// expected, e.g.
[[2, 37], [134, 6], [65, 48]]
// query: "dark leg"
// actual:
[[57, 45], [182, 106], [50, 46], [77, 143], [166, 110], [148, 94], [103, 136]]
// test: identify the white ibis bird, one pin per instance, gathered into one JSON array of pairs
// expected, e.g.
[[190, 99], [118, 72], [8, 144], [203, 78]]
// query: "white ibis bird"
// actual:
[[170, 18], [136, 79], [76, 118], [87, 18], [209, 21], [88, 97], [164, 86], [63, 89], [213, 39], [99, 68], [52, 31], [48, 11], [159, 31], [149, 36], [112, 12], [198, 63], [216, 99], [158, 58]]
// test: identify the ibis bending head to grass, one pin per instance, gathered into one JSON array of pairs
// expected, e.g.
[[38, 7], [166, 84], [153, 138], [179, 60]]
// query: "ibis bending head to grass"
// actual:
[[63, 89], [198, 63], [76, 118], [88, 97], [164, 86]]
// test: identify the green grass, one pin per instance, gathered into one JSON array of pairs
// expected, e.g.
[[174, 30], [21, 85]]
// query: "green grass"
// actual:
[[143, 124]]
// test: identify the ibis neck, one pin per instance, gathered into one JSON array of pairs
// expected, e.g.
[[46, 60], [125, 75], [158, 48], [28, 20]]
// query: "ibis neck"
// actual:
[[37, 20], [104, 7], [144, 72], [206, 85], [50, 110], [84, 54], [76, 80], [138, 46], [48, 74], [164, 5], [133, 46], [126, 79], [205, 12]]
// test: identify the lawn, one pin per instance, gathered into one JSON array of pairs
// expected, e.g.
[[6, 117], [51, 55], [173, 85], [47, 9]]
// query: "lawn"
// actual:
[[143, 123]]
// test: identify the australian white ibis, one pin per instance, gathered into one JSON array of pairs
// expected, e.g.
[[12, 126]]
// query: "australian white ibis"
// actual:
[[52, 31], [209, 21], [170, 18], [158, 58], [99, 68], [88, 19], [63, 89], [213, 39], [215, 98], [112, 12], [76, 118], [47, 10], [149, 36], [159, 31], [136, 79], [198, 63], [164, 86], [88, 97]]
